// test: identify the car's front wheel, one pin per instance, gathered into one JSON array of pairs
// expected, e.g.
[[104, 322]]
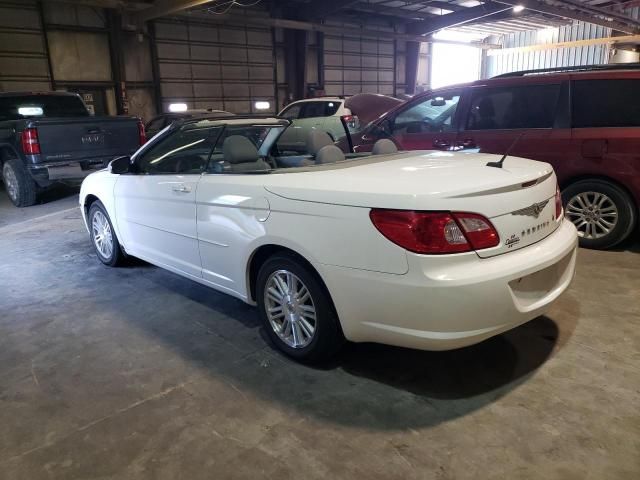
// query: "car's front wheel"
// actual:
[[603, 213], [296, 309], [103, 237]]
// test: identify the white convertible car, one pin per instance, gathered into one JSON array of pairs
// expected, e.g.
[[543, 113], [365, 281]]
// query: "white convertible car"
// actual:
[[423, 249]]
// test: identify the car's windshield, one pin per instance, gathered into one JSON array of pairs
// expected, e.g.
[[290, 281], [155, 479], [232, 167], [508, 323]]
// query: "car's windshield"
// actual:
[[35, 106]]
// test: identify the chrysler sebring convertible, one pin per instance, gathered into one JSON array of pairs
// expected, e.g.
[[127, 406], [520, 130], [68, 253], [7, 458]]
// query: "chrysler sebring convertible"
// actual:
[[424, 249]]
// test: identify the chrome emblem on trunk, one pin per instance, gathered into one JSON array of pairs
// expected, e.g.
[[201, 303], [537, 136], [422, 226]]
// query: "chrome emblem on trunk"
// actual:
[[533, 210]]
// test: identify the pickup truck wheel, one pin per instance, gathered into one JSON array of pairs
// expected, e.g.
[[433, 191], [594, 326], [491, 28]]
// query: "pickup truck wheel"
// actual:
[[602, 212], [103, 237], [296, 310], [20, 187]]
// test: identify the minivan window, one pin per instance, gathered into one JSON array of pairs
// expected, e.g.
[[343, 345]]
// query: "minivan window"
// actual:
[[605, 103], [528, 106], [433, 114]]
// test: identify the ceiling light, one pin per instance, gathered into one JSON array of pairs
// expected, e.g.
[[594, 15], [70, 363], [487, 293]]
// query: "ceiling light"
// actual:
[[518, 8], [177, 107], [262, 105]]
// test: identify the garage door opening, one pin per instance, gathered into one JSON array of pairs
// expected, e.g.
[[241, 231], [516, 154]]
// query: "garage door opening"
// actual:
[[453, 64]]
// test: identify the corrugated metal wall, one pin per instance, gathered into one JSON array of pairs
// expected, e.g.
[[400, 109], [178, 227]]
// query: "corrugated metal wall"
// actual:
[[511, 62], [356, 65], [211, 66], [23, 58]]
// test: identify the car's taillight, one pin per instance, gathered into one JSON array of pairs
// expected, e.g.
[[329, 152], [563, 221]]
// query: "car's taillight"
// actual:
[[142, 136], [351, 121], [29, 141], [435, 232], [558, 203]]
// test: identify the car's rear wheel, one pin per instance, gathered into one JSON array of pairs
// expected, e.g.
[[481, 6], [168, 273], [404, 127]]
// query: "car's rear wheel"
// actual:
[[21, 188], [296, 309], [603, 213], [103, 237]]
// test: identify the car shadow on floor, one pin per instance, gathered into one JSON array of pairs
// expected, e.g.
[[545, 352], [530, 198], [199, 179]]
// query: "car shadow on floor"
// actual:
[[367, 385]]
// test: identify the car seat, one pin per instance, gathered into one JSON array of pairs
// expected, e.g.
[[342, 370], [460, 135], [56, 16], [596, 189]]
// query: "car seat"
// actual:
[[384, 146], [329, 154], [240, 155]]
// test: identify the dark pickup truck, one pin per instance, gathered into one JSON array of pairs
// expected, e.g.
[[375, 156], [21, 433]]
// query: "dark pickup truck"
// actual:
[[51, 137]]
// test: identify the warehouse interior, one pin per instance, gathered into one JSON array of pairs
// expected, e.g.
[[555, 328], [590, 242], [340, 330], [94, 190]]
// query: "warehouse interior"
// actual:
[[137, 373]]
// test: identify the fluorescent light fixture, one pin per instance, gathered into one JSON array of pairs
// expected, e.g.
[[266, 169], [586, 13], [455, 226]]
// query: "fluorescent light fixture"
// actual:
[[262, 105], [30, 111], [177, 107], [518, 8]]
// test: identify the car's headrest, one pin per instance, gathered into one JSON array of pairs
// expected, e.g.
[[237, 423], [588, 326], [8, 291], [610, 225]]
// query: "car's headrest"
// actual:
[[384, 146], [239, 149], [329, 154], [316, 139]]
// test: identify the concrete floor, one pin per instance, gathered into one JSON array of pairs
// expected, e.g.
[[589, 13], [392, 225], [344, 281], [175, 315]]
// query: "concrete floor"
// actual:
[[136, 373]]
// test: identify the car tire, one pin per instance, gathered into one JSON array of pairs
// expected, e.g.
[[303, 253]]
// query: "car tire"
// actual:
[[21, 188], [603, 213], [306, 327], [103, 236]]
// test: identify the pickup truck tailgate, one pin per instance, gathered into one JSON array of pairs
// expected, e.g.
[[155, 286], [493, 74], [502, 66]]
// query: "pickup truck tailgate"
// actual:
[[64, 139]]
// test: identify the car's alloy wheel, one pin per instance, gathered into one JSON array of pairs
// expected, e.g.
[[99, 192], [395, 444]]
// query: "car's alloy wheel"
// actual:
[[104, 239], [102, 235], [296, 309], [594, 214], [10, 182], [21, 188], [290, 309], [603, 212]]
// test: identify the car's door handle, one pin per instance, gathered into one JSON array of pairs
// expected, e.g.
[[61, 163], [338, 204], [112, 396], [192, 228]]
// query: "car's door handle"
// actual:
[[181, 188]]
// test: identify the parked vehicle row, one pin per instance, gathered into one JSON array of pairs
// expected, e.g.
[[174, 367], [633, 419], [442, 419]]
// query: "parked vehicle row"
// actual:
[[586, 124], [331, 247], [48, 137]]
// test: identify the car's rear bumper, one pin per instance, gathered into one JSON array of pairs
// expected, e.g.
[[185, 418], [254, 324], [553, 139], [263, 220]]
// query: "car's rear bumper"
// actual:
[[451, 301]]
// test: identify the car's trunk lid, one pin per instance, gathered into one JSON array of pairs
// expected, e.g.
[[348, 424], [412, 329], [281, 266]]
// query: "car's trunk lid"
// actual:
[[518, 199]]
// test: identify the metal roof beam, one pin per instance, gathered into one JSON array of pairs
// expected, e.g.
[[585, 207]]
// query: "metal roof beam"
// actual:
[[456, 19], [542, 7], [319, 10]]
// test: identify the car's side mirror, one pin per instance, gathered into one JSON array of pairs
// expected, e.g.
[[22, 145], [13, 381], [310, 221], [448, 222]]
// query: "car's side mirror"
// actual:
[[120, 165]]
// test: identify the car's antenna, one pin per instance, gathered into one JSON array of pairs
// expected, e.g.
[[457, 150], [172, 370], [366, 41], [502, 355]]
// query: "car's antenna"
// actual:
[[499, 163]]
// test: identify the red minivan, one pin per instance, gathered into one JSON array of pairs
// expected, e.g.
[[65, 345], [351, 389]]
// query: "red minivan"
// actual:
[[584, 123]]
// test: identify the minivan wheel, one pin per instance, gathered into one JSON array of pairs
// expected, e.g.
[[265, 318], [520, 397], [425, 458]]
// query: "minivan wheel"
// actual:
[[103, 237], [603, 213], [20, 187], [296, 310]]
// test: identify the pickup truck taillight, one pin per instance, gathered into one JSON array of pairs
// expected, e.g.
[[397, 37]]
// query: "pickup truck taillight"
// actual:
[[29, 140], [142, 136], [435, 232]]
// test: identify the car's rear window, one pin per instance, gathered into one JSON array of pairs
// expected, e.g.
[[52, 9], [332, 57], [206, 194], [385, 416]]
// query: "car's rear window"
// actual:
[[605, 103], [34, 106]]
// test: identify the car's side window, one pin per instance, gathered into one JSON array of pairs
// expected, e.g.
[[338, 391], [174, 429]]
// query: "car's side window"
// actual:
[[433, 114], [527, 106], [292, 112], [185, 151], [605, 103], [318, 109]]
